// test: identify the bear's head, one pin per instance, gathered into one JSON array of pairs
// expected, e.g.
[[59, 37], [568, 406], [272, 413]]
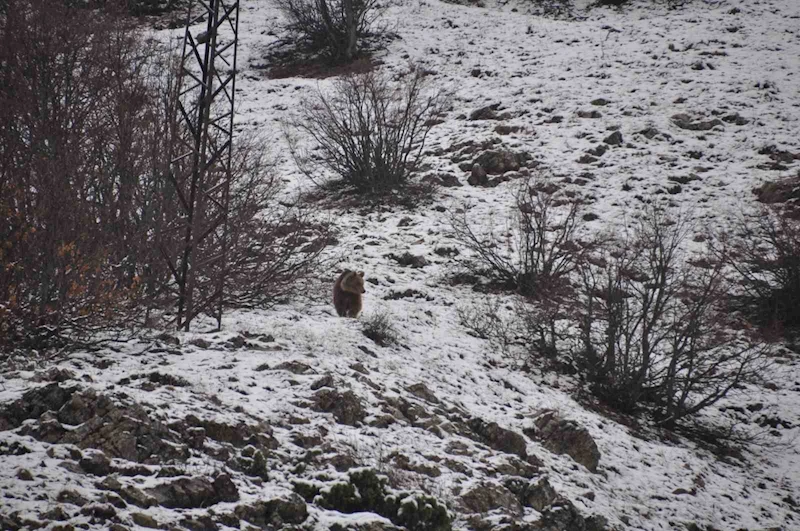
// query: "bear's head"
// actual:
[[353, 282]]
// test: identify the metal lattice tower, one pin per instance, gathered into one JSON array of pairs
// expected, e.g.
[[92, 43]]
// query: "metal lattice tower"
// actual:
[[200, 158]]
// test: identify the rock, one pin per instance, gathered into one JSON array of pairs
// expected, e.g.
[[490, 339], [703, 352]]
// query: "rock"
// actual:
[[599, 150], [239, 435], [735, 119], [505, 129], [201, 343], [24, 474], [57, 513], [449, 180], [409, 260], [115, 500], [96, 463], [123, 431], [17, 448], [195, 437], [590, 114], [420, 390], [33, 404], [128, 493], [276, 513], [487, 496], [614, 139], [10, 522], [684, 121], [145, 520], [680, 179], [564, 516], [500, 439], [100, 511], [345, 407], [72, 497], [587, 159], [485, 113], [199, 523], [600, 102], [402, 462], [779, 155], [224, 487], [497, 162], [325, 381], [54, 374], [777, 192], [478, 176], [539, 495], [295, 367], [195, 492], [567, 437], [651, 132], [167, 379]]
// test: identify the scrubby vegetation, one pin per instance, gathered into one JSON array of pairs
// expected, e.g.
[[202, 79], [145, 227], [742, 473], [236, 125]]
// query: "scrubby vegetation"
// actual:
[[765, 251], [334, 29], [366, 491], [86, 208], [645, 323], [368, 131]]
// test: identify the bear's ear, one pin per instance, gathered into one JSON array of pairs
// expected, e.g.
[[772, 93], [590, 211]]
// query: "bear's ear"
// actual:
[[361, 274]]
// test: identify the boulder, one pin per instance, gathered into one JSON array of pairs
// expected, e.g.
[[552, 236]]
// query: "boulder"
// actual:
[[497, 438], [487, 496], [345, 407], [563, 436]]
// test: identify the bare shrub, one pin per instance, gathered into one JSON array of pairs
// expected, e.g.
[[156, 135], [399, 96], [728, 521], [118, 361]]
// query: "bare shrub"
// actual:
[[380, 328], [540, 248], [646, 324], [655, 329], [765, 252], [368, 131], [333, 28]]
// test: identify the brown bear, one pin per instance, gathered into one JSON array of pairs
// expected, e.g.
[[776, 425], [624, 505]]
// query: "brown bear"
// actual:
[[347, 293]]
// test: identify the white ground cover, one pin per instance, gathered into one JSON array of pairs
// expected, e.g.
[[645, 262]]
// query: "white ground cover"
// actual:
[[641, 60]]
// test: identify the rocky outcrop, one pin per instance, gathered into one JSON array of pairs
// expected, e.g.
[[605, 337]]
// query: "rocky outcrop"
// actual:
[[345, 407], [562, 436], [488, 496]]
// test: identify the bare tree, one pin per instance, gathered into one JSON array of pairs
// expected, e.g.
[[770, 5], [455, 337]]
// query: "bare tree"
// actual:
[[655, 327]]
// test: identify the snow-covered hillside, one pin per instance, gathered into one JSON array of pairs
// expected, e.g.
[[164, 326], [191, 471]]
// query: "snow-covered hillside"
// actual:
[[258, 424]]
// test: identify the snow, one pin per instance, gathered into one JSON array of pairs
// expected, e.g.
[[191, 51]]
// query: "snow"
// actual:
[[641, 60]]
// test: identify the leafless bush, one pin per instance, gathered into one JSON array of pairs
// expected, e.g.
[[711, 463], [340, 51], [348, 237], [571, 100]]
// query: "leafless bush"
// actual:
[[380, 328], [369, 131], [765, 251], [655, 329], [540, 248], [331, 27], [648, 326]]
